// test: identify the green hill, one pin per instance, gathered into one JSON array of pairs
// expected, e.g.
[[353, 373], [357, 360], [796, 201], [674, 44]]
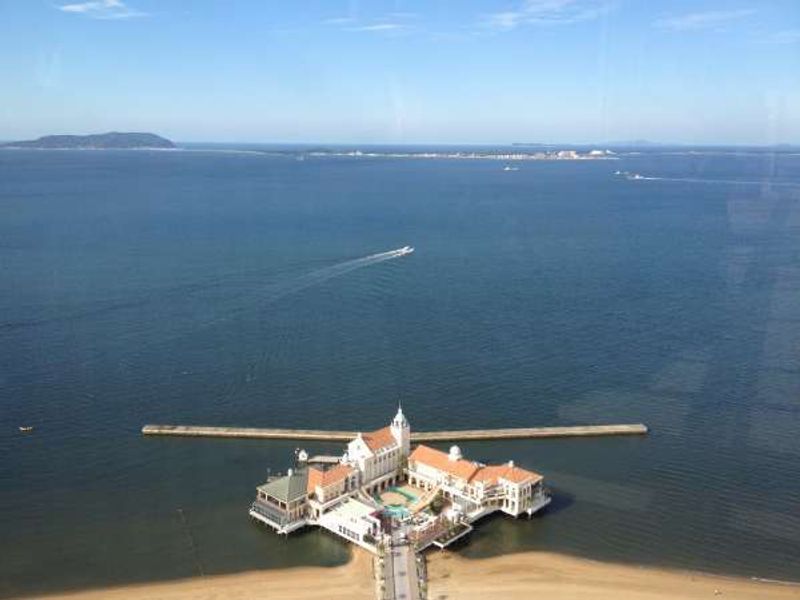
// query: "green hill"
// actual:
[[101, 140]]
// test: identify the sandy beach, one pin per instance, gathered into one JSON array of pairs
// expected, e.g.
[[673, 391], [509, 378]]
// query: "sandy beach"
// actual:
[[352, 581], [452, 577], [558, 577]]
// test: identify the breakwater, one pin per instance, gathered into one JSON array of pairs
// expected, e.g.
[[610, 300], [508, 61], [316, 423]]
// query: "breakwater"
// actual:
[[417, 436]]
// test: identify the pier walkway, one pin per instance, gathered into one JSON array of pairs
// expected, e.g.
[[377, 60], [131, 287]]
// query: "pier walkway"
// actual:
[[403, 571], [417, 436]]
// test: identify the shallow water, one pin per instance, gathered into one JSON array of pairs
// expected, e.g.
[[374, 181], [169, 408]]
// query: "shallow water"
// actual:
[[220, 288]]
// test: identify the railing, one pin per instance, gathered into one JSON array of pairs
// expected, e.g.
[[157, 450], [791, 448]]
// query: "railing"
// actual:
[[453, 532], [421, 538], [540, 497], [272, 513], [495, 495]]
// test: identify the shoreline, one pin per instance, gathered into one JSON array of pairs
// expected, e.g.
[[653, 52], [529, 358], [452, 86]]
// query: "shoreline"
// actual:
[[351, 580], [514, 576], [562, 577]]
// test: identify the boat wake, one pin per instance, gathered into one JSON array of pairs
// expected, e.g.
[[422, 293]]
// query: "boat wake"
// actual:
[[272, 293], [248, 306], [325, 274], [765, 182], [294, 286], [637, 177]]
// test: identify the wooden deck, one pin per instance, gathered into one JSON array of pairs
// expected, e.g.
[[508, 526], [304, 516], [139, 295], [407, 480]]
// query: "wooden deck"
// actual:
[[418, 436]]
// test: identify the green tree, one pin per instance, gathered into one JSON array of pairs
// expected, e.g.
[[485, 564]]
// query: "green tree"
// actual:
[[437, 504]]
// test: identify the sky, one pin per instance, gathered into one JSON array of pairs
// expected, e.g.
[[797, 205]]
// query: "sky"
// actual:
[[435, 71]]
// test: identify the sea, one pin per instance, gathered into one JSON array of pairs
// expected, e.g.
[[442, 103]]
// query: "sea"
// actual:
[[249, 286]]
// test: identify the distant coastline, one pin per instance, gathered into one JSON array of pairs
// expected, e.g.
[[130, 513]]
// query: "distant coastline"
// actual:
[[476, 155], [100, 141]]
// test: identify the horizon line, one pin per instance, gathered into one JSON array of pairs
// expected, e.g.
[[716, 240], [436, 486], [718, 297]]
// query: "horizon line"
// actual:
[[596, 144]]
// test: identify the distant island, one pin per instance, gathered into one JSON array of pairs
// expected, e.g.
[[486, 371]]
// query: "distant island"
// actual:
[[112, 140]]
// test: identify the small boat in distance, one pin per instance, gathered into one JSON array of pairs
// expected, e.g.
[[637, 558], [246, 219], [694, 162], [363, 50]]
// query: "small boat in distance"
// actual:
[[405, 250], [629, 176], [25, 429], [510, 168]]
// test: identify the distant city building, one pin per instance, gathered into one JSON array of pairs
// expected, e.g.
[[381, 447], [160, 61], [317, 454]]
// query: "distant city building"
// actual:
[[380, 486]]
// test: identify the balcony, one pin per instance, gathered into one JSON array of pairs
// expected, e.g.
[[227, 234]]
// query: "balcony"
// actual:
[[273, 513]]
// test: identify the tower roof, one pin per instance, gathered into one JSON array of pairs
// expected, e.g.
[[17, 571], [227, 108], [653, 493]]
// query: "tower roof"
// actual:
[[400, 418]]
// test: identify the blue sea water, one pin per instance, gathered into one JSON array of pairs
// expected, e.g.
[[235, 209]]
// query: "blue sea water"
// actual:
[[224, 288]]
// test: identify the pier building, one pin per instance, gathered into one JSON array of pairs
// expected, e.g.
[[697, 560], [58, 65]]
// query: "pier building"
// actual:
[[379, 490]]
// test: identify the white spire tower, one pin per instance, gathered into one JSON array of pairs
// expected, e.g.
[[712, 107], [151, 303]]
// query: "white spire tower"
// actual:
[[401, 431]]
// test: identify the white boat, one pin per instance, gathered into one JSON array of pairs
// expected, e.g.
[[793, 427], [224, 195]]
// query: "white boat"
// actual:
[[405, 250], [25, 429], [510, 168]]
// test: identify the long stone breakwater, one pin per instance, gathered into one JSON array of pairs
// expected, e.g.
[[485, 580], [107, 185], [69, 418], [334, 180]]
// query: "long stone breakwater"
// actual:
[[418, 436]]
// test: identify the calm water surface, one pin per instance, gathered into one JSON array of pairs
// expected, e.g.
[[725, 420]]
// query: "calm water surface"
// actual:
[[219, 288]]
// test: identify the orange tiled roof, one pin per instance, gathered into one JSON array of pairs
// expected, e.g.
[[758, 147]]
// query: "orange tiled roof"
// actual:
[[379, 439], [518, 475], [336, 474], [326, 478], [314, 479], [470, 471], [490, 474], [437, 459]]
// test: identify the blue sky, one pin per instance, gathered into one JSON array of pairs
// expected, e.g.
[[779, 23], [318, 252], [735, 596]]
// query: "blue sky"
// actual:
[[403, 71]]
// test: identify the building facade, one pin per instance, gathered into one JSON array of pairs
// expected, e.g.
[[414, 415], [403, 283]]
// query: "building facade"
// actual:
[[474, 488]]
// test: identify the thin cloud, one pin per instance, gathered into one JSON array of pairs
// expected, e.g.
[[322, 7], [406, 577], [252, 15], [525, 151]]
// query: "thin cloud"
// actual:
[[548, 12], [392, 22], [788, 36], [102, 9], [703, 20], [339, 21], [378, 27]]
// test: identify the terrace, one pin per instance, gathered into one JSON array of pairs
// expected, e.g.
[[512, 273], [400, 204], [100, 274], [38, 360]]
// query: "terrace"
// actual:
[[454, 531], [399, 501]]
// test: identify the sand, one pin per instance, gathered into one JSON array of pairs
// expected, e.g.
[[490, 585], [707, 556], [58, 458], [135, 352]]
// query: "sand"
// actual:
[[452, 577], [558, 577], [352, 581]]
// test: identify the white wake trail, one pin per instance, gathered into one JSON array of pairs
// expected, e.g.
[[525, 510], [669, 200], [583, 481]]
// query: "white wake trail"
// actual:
[[274, 292], [325, 274], [270, 294], [717, 181], [297, 285]]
